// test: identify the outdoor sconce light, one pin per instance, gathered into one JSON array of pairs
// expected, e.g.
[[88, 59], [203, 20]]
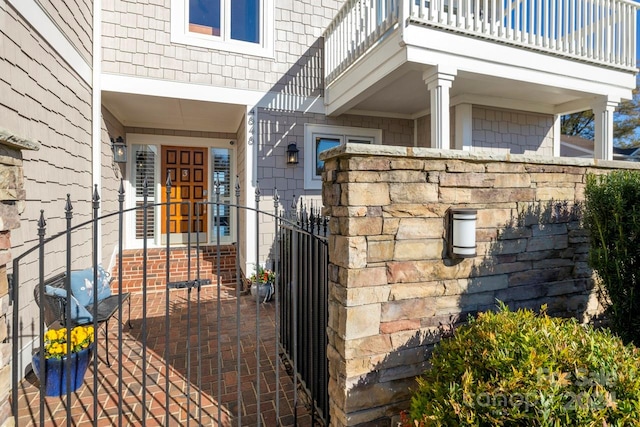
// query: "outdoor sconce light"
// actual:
[[292, 154], [463, 233], [119, 150]]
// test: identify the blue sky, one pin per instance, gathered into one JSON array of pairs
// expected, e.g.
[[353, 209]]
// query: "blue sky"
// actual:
[[638, 37]]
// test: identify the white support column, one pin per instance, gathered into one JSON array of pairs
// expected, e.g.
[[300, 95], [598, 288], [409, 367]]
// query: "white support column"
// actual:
[[251, 183], [439, 81], [464, 127], [603, 118], [557, 125]]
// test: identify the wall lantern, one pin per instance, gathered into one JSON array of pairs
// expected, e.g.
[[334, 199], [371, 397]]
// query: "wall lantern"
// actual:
[[292, 154], [463, 233], [119, 150]]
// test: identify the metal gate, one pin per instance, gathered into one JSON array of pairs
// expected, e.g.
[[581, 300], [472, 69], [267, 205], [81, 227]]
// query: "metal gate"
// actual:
[[199, 352]]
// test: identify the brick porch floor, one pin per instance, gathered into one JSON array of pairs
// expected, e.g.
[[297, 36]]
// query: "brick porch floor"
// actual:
[[179, 405]]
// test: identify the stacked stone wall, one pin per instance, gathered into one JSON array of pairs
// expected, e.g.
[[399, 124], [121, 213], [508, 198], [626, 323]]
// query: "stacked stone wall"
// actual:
[[11, 202], [12, 198], [394, 290]]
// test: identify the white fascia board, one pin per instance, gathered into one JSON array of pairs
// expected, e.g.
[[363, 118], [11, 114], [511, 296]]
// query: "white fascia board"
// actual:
[[504, 103], [33, 13], [373, 113], [575, 106], [423, 113], [198, 92], [480, 56], [178, 90]]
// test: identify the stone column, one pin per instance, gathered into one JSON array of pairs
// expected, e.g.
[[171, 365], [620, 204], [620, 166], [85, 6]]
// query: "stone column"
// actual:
[[12, 195], [439, 82], [603, 117], [368, 368]]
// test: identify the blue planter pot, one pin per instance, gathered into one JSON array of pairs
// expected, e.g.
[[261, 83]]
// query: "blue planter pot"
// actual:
[[55, 372]]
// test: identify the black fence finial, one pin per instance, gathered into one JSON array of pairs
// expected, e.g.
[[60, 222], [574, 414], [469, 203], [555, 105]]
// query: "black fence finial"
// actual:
[[121, 191], [68, 207], [42, 224]]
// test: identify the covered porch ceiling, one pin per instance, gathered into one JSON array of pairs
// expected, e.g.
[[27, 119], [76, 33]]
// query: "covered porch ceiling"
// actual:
[[134, 110], [403, 93]]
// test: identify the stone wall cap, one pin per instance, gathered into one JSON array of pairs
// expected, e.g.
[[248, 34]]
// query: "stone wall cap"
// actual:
[[9, 138], [478, 156]]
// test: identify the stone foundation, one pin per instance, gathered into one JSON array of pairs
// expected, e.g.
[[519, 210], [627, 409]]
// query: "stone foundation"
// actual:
[[394, 290]]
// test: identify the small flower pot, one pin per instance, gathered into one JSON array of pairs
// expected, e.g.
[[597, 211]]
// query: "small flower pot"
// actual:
[[263, 292], [55, 372]]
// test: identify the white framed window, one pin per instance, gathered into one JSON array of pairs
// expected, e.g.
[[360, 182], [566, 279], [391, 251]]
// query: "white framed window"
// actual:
[[222, 170], [318, 138], [144, 167], [241, 26]]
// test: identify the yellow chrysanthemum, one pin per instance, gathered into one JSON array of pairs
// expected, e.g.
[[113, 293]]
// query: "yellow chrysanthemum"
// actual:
[[51, 335], [56, 341]]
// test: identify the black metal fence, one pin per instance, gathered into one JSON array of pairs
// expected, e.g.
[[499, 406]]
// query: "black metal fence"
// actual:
[[184, 343], [304, 302]]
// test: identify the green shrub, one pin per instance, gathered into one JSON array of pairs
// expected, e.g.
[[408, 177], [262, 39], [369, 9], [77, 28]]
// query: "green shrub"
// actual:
[[612, 217], [523, 369]]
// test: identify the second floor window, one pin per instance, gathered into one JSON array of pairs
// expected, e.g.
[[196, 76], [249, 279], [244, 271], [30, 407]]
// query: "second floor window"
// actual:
[[241, 26], [235, 20]]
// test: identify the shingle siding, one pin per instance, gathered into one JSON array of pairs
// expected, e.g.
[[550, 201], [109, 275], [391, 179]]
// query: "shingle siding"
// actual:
[[501, 131], [41, 98], [277, 129], [137, 40], [510, 131], [75, 19]]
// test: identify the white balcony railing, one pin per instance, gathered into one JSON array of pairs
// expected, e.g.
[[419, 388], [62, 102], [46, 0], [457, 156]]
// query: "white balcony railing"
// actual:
[[356, 27], [600, 31]]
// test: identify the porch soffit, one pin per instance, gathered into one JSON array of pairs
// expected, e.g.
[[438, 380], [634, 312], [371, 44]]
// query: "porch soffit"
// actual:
[[134, 110], [488, 74]]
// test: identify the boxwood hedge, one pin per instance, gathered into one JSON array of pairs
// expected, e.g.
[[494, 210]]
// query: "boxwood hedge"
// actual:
[[520, 368]]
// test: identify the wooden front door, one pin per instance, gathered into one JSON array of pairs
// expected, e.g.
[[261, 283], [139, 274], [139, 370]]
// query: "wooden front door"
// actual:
[[187, 167]]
